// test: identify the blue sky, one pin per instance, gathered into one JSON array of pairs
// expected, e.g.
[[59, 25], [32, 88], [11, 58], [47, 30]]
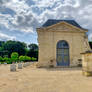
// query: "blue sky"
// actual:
[[20, 18]]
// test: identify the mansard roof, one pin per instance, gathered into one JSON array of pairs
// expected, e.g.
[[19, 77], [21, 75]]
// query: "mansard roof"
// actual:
[[50, 22]]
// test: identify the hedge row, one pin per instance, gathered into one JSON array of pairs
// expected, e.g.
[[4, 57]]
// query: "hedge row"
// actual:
[[21, 58]]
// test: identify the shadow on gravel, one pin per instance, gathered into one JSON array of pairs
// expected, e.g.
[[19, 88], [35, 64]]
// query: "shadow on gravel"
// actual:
[[64, 69]]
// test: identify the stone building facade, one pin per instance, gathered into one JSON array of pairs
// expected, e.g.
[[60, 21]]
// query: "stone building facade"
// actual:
[[61, 42]]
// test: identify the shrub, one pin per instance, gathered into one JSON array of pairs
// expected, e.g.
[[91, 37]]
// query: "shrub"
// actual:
[[5, 59], [33, 59], [9, 61], [24, 58], [1, 59], [27, 58], [14, 56]]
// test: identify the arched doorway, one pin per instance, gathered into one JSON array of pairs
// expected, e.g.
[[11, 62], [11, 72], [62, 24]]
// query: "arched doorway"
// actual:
[[62, 53]]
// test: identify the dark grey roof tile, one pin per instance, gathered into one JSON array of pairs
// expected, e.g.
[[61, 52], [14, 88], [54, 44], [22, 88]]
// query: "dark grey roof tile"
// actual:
[[54, 21]]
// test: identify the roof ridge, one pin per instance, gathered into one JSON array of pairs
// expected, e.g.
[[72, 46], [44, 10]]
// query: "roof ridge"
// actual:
[[50, 22], [60, 19]]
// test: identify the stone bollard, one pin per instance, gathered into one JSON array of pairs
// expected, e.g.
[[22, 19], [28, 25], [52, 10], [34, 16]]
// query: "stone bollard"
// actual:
[[24, 65], [13, 67], [20, 66], [5, 63], [27, 63]]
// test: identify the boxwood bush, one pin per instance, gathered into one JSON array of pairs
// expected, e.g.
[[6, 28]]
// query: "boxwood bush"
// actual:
[[34, 59], [24, 58], [16, 58]]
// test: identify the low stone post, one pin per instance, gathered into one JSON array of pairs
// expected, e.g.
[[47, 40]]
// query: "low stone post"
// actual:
[[24, 65], [28, 63], [13, 67], [19, 65], [87, 63], [5, 63]]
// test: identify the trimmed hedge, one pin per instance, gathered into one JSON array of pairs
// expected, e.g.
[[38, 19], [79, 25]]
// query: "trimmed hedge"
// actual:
[[24, 58], [16, 58]]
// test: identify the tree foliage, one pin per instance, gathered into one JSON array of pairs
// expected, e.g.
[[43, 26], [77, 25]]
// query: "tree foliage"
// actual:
[[24, 58], [25, 53], [14, 56], [33, 51], [90, 44], [33, 47], [21, 58], [14, 46], [1, 58]]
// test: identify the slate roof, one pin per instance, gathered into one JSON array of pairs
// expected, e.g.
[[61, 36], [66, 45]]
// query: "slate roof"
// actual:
[[50, 22]]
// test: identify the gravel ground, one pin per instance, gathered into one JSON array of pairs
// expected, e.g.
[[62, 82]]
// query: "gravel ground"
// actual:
[[31, 79]]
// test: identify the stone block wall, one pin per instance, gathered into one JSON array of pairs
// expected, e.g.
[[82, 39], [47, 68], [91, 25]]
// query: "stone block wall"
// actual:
[[87, 62], [48, 38]]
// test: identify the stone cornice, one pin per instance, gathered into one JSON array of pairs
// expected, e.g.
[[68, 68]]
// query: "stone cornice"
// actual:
[[62, 27]]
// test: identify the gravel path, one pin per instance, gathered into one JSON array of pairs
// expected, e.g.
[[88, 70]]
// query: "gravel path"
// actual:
[[44, 80]]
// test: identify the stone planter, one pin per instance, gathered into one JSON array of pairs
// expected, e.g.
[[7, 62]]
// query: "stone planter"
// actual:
[[20, 66], [87, 63], [13, 67]]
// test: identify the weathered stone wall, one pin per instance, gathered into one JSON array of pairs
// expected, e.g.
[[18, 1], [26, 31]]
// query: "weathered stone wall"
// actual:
[[48, 38], [87, 62]]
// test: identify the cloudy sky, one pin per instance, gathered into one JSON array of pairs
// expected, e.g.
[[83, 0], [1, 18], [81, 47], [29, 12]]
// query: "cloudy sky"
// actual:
[[20, 18]]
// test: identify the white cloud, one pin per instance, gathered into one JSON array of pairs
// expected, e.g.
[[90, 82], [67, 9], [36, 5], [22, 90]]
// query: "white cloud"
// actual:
[[33, 14], [5, 19], [5, 37], [23, 21]]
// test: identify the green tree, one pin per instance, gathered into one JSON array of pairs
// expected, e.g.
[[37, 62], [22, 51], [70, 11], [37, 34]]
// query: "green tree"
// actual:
[[33, 51], [90, 44], [14, 46], [33, 47], [1, 43], [1, 59], [2, 52]]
